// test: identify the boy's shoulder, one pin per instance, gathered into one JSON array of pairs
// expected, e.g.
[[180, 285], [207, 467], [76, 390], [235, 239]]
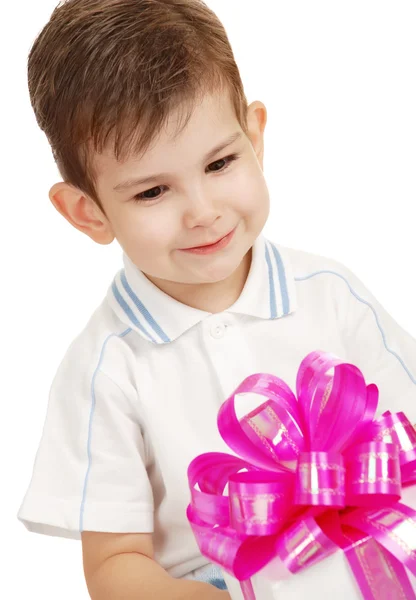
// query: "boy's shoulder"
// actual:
[[306, 264], [102, 344], [320, 274], [316, 277], [102, 325]]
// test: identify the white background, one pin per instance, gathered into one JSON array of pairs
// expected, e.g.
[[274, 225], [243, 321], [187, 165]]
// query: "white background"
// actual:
[[338, 79]]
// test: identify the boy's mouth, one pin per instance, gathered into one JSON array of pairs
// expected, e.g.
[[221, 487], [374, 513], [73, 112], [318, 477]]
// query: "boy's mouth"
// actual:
[[207, 248]]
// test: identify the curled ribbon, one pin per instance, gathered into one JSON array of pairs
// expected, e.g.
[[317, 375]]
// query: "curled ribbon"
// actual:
[[312, 473]]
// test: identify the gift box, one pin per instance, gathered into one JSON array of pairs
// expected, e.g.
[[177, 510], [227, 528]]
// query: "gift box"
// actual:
[[318, 498]]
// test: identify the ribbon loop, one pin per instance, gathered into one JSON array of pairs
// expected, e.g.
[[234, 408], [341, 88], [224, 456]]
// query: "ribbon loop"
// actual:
[[274, 427], [320, 479], [398, 429], [373, 474], [260, 502]]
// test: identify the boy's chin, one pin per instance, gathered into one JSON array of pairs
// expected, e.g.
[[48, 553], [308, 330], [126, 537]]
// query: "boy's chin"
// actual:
[[218, 276]]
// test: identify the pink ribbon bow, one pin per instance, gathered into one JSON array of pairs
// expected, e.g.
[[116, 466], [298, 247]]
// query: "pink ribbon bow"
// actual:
[[312, 474]]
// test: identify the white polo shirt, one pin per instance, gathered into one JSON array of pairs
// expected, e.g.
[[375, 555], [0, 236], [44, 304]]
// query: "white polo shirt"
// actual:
[[136, 397]]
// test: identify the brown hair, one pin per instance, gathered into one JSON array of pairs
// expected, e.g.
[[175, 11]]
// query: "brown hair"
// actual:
[[107, 72]]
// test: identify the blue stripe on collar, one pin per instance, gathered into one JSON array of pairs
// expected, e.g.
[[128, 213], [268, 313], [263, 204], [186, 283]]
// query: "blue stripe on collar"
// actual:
[[143, 310], [130, 313], [282, 280], [273, 310], [283, 288]]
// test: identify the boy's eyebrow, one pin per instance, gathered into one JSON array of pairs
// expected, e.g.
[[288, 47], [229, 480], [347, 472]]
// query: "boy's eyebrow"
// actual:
[[134, 182]]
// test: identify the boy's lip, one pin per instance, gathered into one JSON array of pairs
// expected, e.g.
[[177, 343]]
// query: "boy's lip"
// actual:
[[209, 244]]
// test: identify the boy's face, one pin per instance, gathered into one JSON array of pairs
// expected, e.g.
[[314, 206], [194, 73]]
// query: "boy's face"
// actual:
[[190, 198]]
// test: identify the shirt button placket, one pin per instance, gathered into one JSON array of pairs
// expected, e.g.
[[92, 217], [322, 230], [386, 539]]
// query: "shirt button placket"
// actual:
[[221, 352]]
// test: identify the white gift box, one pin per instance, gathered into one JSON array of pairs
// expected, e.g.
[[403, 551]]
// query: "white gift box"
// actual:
[[329, 579]]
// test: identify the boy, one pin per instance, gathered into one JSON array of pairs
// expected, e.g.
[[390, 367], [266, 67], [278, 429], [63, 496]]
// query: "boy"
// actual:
[[144, 108]]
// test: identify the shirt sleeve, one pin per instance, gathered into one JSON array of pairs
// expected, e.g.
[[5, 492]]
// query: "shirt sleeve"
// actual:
[[90, 468], [379, 347]]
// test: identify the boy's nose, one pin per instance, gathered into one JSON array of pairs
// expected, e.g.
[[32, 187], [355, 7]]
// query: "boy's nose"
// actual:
[[201, 211]]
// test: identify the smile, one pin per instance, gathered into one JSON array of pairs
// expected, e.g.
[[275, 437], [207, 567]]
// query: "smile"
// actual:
[[208, 249]]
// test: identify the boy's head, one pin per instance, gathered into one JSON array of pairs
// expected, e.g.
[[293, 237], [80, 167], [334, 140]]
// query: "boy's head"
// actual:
[[129, 90]]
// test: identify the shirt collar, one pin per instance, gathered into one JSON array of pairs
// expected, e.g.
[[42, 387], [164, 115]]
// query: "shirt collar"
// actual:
[[269, 293]]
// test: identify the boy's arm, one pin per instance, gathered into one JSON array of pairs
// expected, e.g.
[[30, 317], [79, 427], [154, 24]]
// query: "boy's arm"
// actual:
[[120, 566]]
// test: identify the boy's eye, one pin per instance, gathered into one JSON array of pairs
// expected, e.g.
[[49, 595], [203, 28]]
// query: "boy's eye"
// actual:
[[218, 166], [150, 194], [222, 163]]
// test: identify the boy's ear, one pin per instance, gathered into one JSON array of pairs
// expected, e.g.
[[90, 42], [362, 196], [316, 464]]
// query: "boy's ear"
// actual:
[[256, 122], [82, 212]]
